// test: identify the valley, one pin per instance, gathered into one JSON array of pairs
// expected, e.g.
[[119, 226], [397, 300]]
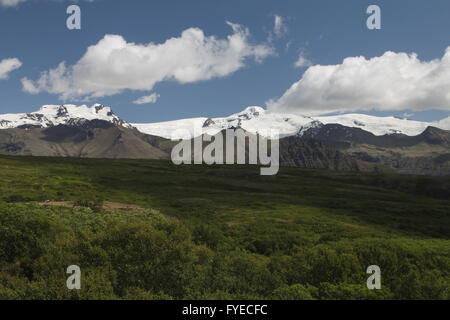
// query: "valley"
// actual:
[[147, 229]]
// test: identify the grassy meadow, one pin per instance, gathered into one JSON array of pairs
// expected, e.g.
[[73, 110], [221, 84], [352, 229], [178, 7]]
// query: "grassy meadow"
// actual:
[[147, 229]]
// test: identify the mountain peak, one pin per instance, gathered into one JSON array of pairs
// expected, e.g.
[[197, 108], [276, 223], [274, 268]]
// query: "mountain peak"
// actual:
[[253, 119], [66, 114], [250, 112], [101, 109]]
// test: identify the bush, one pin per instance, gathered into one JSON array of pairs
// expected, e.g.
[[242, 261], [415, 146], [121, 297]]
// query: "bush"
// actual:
[[95, 204], [144, 255], [295, 292]]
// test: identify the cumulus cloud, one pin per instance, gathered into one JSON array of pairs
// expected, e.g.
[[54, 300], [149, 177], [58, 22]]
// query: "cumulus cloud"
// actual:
[[393, 81], [7, 66], [279, 29], [113, 64], [152, 98]]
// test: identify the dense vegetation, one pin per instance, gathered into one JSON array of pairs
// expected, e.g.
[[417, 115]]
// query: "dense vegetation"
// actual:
[[219, 232]]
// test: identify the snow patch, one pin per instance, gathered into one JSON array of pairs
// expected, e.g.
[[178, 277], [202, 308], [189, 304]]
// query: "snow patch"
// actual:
[[53, 115]]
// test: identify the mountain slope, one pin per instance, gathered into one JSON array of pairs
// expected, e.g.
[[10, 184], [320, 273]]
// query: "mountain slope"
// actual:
[[92, 139], [426, 153], [305, 153]]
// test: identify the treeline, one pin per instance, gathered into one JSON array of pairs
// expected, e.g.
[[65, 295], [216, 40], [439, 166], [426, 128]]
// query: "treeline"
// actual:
[[147, 256]]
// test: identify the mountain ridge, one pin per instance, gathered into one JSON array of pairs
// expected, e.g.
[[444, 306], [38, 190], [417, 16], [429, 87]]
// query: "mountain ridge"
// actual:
[[257, 120], [253, 119], [53, 115], [96, 132]]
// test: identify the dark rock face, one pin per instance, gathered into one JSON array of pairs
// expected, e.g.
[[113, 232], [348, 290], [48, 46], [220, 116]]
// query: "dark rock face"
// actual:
[[4, 123], [422, 154], [62, 112], [307, 153], [208, 122], [93, 139], [28, 126], [12, 148]]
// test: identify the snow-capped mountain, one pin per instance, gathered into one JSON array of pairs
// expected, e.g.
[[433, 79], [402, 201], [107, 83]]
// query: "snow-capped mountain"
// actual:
[[252, 119], [342, 142], [176, 129], [379, 126], [443, 124], [259, 120], [53, 115]]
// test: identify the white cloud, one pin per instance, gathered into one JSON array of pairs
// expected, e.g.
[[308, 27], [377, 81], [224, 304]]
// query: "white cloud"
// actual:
[[10, 3], [7, 66], [407, 115], [393, 81], [29, 87], [152, 98], [280, 29], [302, 61], [113, 64]]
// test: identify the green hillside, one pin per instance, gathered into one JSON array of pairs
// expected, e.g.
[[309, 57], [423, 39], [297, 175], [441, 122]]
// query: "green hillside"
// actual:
[[146, 229]]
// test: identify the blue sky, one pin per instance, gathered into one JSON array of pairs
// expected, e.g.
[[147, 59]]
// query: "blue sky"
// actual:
[[324, 31]]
